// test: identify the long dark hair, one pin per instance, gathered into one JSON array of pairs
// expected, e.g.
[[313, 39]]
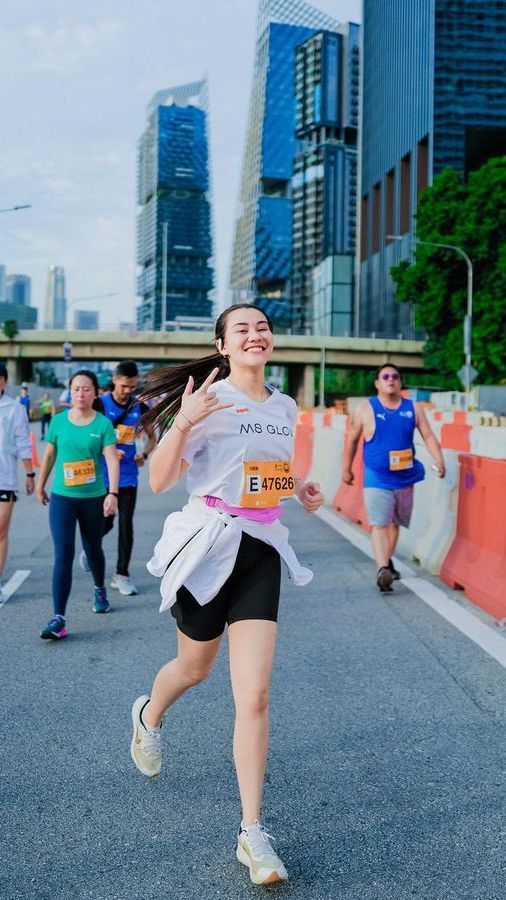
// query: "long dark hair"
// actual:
[[97, 403], [169, 382]]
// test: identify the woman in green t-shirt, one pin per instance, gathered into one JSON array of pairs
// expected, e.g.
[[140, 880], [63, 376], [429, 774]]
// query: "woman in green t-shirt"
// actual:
[[76, 440]]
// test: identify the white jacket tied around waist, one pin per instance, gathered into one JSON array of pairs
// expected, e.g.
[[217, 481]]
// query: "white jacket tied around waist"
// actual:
[[14, 441], [198, 549]]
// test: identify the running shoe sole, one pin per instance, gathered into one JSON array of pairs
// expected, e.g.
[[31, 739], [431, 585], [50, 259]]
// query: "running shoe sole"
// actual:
[[136, 715], [273, 877]]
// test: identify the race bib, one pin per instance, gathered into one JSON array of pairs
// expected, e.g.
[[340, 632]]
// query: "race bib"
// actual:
[[266, 483], [125, 434], [78, 473], [401, 459]]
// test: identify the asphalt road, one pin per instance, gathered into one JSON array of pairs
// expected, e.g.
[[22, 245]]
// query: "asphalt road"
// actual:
[[386, 776]]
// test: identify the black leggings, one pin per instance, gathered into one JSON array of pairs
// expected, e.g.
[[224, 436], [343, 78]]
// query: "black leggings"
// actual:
[[126, 505], [64, 514]]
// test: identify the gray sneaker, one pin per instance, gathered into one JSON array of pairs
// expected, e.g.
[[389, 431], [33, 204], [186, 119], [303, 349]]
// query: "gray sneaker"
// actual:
[[123, 584], [145, 748]]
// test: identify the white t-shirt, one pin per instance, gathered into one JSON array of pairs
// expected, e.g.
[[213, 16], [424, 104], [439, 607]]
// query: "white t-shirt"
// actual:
[[218, 447]]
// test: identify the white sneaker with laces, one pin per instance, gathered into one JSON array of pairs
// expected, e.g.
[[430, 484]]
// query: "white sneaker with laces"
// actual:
[[255, 851], [123, 584], [145, 748]]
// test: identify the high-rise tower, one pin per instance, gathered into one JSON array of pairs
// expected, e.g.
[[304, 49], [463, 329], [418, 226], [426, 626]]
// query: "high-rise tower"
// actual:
[[434, 95], [55, 312], [262, 257], [174, 242]]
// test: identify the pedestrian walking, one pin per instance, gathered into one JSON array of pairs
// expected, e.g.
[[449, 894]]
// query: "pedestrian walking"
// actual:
[[15, 446], [220, 557], [387, 423], [24, 398], [124, 410], [76, 440], [46, 413]]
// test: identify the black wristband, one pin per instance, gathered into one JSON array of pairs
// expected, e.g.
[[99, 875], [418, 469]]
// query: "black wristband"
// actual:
[[30, 474], [112, 494], [145, 455]]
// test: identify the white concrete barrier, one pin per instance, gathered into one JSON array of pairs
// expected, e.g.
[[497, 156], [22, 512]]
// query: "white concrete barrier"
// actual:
[[488, 441], [433, 523], [328, 446]]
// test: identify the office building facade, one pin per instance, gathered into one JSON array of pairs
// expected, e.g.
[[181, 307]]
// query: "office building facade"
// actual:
[[324, 184], [55, 311], [262, 250], [18, 289], [86, 320], [434, 95], [174, 222]]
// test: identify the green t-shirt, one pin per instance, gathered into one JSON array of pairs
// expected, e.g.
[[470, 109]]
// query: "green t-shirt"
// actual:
[[46, 406], [78, 470]]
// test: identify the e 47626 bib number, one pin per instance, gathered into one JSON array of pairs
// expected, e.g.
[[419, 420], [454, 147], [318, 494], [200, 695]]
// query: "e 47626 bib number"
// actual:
[[266, 482]]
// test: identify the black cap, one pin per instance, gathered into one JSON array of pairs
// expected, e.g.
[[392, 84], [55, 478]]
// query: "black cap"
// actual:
[[3, 371]]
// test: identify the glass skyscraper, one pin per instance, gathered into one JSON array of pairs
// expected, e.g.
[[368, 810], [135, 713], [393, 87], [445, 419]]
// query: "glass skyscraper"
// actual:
[[262, 251], [174, 230], [324, 184], [434, 95], [55, 312]]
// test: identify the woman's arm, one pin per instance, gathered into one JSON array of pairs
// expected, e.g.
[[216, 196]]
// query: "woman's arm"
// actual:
[[44, 472], [112, 463]]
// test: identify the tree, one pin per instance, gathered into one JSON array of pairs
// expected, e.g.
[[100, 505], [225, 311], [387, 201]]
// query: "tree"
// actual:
[[10, 328], [471, 216]]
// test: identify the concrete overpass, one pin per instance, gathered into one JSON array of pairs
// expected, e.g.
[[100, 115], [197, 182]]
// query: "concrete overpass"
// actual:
[[300, 353]]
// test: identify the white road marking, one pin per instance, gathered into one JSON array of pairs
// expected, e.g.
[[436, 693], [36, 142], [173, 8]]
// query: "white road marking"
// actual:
[[465, 622], [12, 585]]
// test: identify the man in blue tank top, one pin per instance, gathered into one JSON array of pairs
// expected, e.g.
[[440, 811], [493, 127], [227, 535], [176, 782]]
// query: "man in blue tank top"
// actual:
[[124, 410], [387, 423]]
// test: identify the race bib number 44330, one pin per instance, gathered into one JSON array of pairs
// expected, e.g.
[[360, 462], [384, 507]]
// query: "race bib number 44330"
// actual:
[[266, 482], [78, 473]]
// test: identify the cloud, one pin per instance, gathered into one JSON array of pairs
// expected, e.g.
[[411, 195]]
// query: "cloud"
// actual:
[[59, 47]]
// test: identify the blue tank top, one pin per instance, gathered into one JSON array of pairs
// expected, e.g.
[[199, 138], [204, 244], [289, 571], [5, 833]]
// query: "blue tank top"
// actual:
[[125, 432], [389, 457]]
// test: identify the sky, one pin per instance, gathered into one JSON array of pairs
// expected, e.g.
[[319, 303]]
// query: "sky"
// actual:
[[75, 82]]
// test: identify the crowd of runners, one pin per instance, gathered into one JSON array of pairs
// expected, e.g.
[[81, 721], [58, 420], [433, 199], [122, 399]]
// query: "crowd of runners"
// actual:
[[218, 423]]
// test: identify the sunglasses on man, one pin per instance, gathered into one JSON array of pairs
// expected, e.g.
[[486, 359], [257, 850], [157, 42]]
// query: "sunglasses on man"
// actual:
[[390, 376]]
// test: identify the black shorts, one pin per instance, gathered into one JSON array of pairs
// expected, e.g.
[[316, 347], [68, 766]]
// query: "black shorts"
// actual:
[[250, 592], [7, 496]]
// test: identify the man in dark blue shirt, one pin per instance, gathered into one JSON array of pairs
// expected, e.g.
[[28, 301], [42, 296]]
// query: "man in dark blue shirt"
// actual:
[[125, 410]]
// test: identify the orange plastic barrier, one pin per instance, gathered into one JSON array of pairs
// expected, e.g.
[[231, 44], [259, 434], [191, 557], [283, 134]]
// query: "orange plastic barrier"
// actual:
[[476, 560], [456, 435], [35, 455], [349, 499], [303, 454]]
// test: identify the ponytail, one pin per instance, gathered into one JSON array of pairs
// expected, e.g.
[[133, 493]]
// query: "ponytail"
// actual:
[[168, 383]]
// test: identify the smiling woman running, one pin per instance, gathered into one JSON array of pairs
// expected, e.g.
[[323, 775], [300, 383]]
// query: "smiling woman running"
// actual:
[[76, 440], [220, 557]]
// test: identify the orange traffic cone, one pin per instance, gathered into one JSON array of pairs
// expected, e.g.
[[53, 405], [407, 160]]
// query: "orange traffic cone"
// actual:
[[35, 455]]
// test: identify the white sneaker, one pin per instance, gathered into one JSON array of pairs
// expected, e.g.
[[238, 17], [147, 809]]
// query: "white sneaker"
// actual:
[[123, 584], [83, 561], [255, 851], [145, 748]]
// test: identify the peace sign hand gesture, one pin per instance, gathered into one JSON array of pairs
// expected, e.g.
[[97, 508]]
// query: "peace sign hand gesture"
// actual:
[[198, 405]]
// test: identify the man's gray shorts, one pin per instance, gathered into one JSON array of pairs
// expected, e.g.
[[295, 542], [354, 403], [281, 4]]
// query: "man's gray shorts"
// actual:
[[386, 507]]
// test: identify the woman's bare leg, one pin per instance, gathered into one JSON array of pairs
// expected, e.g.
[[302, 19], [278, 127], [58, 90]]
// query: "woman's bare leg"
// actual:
[[252, 644], [192, 665]]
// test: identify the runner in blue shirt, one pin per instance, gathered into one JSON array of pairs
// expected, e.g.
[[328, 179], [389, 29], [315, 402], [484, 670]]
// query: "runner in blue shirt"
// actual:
[[387, 423], [124, 410]]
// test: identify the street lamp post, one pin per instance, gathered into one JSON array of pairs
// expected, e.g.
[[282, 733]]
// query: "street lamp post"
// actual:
[[163, 323], [468, 319], [82, 300], [15, 208]]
